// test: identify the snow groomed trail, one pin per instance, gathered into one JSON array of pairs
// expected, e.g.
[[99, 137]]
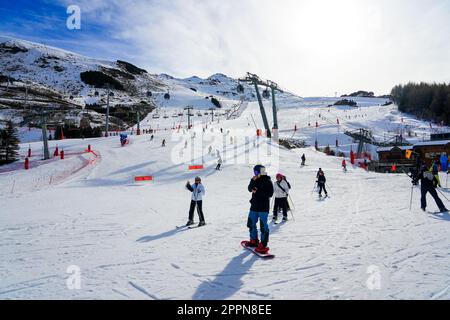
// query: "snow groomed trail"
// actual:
[[361, 243]]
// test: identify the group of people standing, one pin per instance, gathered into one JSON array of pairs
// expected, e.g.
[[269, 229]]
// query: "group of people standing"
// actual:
[[262, 189]]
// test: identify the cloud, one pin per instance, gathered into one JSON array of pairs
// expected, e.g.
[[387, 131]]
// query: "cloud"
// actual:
[[312, 47]]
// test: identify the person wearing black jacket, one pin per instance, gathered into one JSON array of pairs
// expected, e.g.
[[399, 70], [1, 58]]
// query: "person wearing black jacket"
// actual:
[[321, 182], [428, 184], [261, 188]]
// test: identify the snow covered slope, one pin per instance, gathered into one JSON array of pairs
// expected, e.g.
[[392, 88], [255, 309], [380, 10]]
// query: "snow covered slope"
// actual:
[[361, 243]]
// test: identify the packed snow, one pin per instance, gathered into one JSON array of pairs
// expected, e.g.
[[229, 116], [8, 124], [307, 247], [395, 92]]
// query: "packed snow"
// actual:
[[361, 243]]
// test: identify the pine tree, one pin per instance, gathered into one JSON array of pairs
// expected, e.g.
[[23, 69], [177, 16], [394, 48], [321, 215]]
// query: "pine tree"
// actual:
[[9, 143]]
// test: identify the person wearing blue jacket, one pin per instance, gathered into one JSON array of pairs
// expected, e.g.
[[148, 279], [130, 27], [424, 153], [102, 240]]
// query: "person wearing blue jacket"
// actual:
[[444, 162], [198, 192]]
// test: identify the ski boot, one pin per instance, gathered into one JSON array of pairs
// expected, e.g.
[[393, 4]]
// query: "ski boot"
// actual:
[[444, 210], [202, 224], [275, 218], [285, 219], [253, 243], [261, 249], [189, 223]]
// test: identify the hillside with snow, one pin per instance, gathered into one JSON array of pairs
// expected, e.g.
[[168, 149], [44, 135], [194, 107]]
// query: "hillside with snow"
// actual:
[[36, 77], [87, 213]]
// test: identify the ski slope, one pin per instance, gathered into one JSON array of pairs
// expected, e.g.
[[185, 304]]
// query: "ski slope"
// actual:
[[361, 243]]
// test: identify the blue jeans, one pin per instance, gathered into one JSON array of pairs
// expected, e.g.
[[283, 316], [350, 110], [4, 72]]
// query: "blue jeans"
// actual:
[[253, 218]]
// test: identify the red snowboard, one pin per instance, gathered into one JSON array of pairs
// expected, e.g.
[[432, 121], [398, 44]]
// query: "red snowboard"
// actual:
[[263, 256]]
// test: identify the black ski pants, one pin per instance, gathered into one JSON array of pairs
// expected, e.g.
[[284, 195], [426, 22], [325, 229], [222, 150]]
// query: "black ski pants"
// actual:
[[199, 205]]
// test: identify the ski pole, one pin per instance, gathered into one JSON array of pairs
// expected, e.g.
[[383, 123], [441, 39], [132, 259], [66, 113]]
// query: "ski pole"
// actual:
[[412, 194], [446, 183], [314, 188], [443, 195], [292, 209]]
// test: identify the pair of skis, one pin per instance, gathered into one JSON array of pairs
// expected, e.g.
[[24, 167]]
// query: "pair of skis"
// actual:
[[194, 226]]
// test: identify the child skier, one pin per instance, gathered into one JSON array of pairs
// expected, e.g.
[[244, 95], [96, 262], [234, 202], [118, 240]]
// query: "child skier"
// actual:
[[198, 192], [261, 188], [281, 189], [321, 182], [344, 165]]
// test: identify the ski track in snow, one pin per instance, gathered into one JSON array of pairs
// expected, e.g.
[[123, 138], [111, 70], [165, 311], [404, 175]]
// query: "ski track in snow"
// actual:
[[122, 235]]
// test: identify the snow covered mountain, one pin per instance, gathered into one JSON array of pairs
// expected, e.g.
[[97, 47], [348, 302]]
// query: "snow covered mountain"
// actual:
[[33, 76]]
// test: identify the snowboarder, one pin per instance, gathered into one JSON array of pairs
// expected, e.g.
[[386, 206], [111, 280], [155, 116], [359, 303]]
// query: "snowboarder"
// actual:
[[281, 189], [164, 143], [303, 160], [261, 188], [428, 185], [344, 165], [219, 164], [321, 182], [198, 192]]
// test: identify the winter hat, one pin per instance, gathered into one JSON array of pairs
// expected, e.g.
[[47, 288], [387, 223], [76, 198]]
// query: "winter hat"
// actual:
[[279, 175], [259, 170]]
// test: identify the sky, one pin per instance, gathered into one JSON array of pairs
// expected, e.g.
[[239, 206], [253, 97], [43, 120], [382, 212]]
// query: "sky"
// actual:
[[309, 47]]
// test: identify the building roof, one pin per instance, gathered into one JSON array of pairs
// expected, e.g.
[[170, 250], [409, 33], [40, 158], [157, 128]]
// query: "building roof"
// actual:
[[388, 149], [432, 143]]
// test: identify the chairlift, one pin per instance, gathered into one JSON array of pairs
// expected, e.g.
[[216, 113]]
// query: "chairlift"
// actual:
[[266, 94], [240, 88], [167, 96]]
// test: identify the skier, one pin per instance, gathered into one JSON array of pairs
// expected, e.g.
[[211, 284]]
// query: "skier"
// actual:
[[219, 164], [281, 189], [318, 173], [152, 137], [123, 139], [344, 165], [198, 192], [321, 182], [428, 185], [435, 169], [210, 150], [164, 143], [303, 160], [261, 188]]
